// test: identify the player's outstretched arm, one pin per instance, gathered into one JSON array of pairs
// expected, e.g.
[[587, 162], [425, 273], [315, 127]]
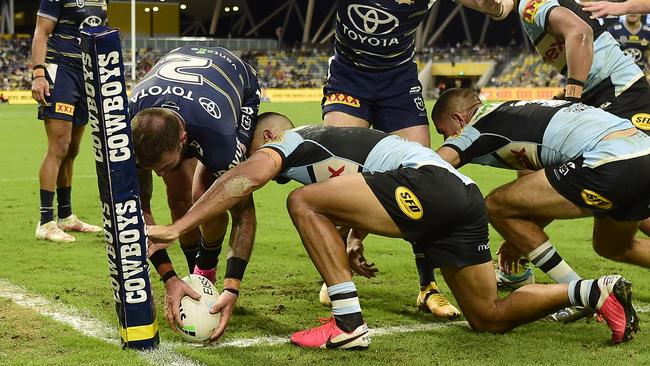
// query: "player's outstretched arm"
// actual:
[[449, 155], [579, 44], [496, 9], [40, 86], [600, 9], [233, 186]]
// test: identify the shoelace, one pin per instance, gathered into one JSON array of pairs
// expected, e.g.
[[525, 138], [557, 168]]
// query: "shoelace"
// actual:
[[437, 298], [323, 321]]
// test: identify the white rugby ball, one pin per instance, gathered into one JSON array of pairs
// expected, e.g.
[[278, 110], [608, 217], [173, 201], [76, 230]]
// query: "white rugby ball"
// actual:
[[198, 323]]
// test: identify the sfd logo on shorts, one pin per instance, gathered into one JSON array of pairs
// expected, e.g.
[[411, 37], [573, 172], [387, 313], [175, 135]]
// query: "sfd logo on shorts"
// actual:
[[408, 203], [340, 98], [64, 108], [594, 199], [641, 121]]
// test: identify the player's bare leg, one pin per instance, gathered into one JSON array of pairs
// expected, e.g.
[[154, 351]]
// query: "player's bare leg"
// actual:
[[475, 290], [615, 240], [644, 226], [212, 232], [179, 199], [341, 119], [67, 221], [419, 134], [59, 135], [315, 212]]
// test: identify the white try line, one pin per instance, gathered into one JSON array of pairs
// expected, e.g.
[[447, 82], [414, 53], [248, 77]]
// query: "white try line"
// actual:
[[165, 354], [86, 324]]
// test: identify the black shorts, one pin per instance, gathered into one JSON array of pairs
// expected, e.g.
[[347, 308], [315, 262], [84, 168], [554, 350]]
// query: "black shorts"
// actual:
[[619, 189], [67, 100], [632, 104], [437, 211], [389, 100]]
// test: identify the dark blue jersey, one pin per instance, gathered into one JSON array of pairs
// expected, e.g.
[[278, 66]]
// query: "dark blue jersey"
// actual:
[[635, 45], [63, 46], [214, 92], [378, 34]]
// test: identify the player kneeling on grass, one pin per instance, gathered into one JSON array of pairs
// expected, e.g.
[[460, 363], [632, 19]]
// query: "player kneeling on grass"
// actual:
[[587, 162], [395, 188]]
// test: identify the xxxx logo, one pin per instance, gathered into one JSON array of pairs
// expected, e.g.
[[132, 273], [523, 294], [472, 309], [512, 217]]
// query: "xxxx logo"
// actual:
[[64, 108], [340, 98], [408, 203], [594, 199]]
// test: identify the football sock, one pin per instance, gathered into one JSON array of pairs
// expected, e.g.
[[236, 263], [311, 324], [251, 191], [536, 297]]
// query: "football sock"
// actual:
[[584, 293], [191, 251], [64, 207], [345, 306], [47, 206], [424, 267], [548, 260], [208, 255]]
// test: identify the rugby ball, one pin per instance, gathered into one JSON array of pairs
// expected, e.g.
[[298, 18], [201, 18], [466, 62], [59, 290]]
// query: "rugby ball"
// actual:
[[198, 323]]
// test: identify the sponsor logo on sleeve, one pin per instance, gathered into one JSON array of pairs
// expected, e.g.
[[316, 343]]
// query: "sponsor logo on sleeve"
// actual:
[[211, 107], [64, 108], [641, 121], [408, 203], [340, 98], [594, 199], [531, 9]]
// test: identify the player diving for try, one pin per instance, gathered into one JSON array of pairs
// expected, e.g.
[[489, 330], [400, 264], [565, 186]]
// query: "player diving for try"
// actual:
[[372, 80], [587, 162], [197, 104], [385, 187]]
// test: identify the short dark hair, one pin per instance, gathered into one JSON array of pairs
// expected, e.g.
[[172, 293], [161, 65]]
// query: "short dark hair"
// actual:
[[453, 100], [155, 132]]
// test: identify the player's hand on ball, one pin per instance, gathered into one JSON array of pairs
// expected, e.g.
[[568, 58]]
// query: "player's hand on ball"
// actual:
[[40, 89], [358, 262], [175, 289], [225, 305], [508, 258], [162, 233]]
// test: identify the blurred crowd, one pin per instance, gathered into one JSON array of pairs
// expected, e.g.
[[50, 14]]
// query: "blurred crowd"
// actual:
[[15, 67], [300, 68]]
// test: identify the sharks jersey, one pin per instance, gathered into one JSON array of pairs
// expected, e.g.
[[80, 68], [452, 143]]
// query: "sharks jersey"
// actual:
[[63, 45], [214, 92], [313, 154], [378, 34], [608, 60], [635, 45], [536, 134]]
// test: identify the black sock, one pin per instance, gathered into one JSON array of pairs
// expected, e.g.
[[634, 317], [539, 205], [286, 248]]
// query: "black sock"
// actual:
[[349, 322], [208, 256], [424, 266], [47, 206], [191, 251], [64, 206]]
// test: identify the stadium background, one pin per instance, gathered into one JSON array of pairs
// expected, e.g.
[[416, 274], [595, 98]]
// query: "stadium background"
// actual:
[[280, 287]]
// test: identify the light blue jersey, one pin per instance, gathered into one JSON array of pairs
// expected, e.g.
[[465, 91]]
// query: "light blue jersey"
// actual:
[[609, 62], [316, 153], [540, 133]]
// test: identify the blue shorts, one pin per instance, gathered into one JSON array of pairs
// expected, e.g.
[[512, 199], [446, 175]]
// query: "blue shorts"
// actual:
[[67, 100], [389, 100]]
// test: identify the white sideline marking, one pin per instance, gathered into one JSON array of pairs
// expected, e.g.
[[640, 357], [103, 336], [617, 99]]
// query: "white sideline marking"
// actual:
[[86, 324], [165, 354]]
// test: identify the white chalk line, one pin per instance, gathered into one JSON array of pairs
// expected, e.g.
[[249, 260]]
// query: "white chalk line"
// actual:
[[86, 324], [165, 354]]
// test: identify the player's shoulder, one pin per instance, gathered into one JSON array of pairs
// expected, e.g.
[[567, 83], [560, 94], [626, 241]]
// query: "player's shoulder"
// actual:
[[646, 29], [617, 27]]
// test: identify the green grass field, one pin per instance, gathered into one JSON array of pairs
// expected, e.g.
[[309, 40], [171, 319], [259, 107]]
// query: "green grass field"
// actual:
[[280, 290]]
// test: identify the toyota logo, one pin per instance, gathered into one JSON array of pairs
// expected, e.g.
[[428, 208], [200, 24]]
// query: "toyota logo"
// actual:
[[635, 53], [91, 21], [371, 20], [211, 107]]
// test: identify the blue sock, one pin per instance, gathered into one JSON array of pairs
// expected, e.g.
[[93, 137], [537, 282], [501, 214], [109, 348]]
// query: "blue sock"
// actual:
[[64, 206], [47, 206], [345, 305]]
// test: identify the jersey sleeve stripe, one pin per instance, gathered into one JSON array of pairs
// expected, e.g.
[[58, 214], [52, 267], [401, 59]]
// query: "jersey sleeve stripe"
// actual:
[[47, 16]]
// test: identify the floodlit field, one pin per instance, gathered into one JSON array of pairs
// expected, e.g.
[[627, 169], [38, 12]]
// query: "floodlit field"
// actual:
[[280, 289]]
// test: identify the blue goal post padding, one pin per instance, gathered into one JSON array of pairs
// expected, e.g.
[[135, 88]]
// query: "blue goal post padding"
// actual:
[[124, 231]]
